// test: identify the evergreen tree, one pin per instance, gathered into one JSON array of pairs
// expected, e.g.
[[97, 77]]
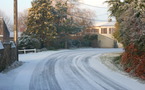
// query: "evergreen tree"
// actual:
[[65, 25], [40, 21]]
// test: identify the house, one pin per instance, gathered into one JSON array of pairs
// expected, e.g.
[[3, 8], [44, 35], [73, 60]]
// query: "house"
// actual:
[[4, 32], [103, 28], [105, 31], [8, 51]]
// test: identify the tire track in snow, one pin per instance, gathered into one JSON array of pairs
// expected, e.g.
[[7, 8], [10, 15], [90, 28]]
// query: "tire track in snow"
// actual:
[[43, 77], [106, 80], [81, 72], [23, 78], [85, 73], [71, 74], [70, 71]]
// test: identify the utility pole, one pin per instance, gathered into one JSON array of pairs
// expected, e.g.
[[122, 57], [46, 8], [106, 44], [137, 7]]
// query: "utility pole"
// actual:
[[16, 27]]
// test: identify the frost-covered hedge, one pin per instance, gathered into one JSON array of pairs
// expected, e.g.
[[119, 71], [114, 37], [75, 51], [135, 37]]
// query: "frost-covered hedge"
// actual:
[[8, 55], [27, 42], [130, 15], [133, 61]]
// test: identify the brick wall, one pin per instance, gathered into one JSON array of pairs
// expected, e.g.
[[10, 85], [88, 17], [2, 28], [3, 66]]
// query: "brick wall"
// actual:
[[7, 55]]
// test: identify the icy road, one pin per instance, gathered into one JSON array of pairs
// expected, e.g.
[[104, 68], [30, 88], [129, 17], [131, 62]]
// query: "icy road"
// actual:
[[79, 69]]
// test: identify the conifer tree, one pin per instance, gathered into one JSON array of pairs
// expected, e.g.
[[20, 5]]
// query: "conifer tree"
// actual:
[[65, 25], [40, 21]]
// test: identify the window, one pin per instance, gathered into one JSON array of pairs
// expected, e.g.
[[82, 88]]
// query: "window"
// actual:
[[92, 30], [96, 30], [111, 30], [103, 30]]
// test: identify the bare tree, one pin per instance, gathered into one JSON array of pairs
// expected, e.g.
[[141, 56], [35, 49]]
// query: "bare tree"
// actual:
[[22, 19], [83, 16]]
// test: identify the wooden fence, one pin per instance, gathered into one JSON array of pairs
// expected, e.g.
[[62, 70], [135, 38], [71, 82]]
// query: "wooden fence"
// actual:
[[28, 50]]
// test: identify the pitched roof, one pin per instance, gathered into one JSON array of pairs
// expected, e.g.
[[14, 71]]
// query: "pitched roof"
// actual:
[[104, 24]]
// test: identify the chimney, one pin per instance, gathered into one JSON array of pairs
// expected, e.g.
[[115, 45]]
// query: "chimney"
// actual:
[[109, 20]]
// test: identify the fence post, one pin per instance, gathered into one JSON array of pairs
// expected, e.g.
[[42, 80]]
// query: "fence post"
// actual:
[[24, 51], [35, 50]]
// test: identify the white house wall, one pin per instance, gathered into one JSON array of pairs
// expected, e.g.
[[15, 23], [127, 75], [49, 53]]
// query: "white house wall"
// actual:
[[105, 42], [107, 34]]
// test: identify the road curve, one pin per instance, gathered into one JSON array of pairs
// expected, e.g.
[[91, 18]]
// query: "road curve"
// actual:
[[73, 70]]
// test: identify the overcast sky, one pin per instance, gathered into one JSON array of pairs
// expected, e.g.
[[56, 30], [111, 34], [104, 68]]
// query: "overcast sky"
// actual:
[[102, 14]]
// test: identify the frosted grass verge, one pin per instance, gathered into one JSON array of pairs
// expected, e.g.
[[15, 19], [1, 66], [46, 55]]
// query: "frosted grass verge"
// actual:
[[108, 60]]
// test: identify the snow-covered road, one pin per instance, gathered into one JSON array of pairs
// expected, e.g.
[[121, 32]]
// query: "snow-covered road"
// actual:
[[79, 69]]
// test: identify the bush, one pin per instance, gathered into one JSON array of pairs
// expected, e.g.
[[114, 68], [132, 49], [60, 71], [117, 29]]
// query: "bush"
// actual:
[[88, 40], [74, 43], [91, 37], [117, 60], [133, 61], [27, 42], [56, 44]]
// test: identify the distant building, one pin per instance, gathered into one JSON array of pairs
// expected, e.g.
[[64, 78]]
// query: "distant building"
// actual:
[[105, 31], [103, 28], [4, 32]]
